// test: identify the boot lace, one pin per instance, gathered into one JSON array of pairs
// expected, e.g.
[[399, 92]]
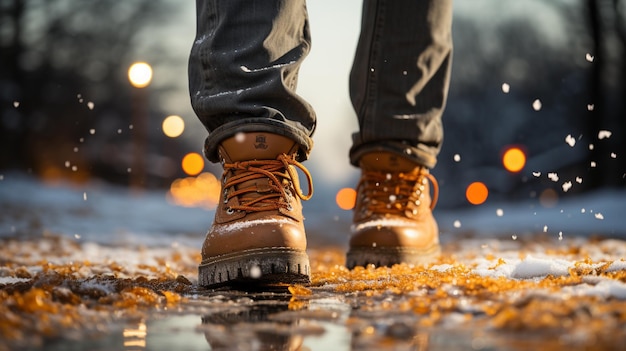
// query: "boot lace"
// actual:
[[395, 193], [280, 176]]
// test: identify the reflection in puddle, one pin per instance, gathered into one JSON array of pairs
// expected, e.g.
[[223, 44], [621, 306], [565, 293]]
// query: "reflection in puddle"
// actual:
[[278, 322], [135, 337], [175, 333], [242, 322], [275, 322]]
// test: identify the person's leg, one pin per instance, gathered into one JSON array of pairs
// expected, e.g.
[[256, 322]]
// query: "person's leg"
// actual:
[[243, 70], [242, 78], [398, 85], [400, 76]]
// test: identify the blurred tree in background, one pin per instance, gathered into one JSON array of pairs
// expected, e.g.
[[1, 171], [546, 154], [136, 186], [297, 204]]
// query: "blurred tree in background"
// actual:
[[530, 78], [66, 105], [65, 99], [607, 19]]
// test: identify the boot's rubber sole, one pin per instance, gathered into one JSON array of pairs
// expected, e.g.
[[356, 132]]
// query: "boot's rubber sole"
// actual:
[[388, 256], [254, 268]]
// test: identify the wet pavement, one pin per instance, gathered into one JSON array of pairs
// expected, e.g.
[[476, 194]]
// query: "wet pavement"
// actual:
[[235, 321], [72, 279], [470, 300], [265, 322]]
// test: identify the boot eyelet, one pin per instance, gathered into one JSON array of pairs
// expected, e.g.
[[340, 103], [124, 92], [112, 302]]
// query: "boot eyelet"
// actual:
[[230, 211]]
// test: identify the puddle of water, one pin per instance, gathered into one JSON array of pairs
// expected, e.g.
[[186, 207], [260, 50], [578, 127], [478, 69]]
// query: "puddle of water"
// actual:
[[238, 321], [231, 321]]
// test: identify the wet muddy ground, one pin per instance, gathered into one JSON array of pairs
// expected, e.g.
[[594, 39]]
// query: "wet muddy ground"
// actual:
[[58, 293]]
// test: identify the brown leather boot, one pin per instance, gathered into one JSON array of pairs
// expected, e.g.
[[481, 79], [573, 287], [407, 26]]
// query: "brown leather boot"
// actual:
[[393, 220], [257, 236]]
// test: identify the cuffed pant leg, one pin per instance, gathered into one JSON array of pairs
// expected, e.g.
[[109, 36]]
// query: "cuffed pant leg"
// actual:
[[243, 70], [400, 77]]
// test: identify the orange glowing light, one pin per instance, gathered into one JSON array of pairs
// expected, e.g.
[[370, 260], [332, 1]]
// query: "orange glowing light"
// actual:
[[201, 191], [346, 198], [173, 126], [140, 74], [193, 163], [476, 193], [514, 159]]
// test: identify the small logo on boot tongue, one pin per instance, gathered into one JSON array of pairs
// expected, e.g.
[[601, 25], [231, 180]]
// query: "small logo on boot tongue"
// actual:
[[260, 142]]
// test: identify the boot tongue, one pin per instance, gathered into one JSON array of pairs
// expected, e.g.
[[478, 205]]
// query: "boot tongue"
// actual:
[[386, 162], [256, 146]]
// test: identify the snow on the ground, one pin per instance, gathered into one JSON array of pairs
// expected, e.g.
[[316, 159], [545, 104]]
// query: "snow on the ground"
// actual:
[[108, 214], [109, 222], [101, 246], [600, 212], [528, 261], [96, 212]]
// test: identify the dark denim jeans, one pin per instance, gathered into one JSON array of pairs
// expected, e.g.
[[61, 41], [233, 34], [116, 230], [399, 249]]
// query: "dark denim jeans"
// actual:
[[244, 63]]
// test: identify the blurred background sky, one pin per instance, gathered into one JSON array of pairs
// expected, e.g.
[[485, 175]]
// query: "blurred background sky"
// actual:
[[545, 76]]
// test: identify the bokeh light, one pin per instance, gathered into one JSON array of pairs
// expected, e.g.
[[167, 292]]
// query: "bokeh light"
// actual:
[[477, 193], [346, 198], [193, 163], [201, 191], [514, 159], [140, 74], [173, 126]]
